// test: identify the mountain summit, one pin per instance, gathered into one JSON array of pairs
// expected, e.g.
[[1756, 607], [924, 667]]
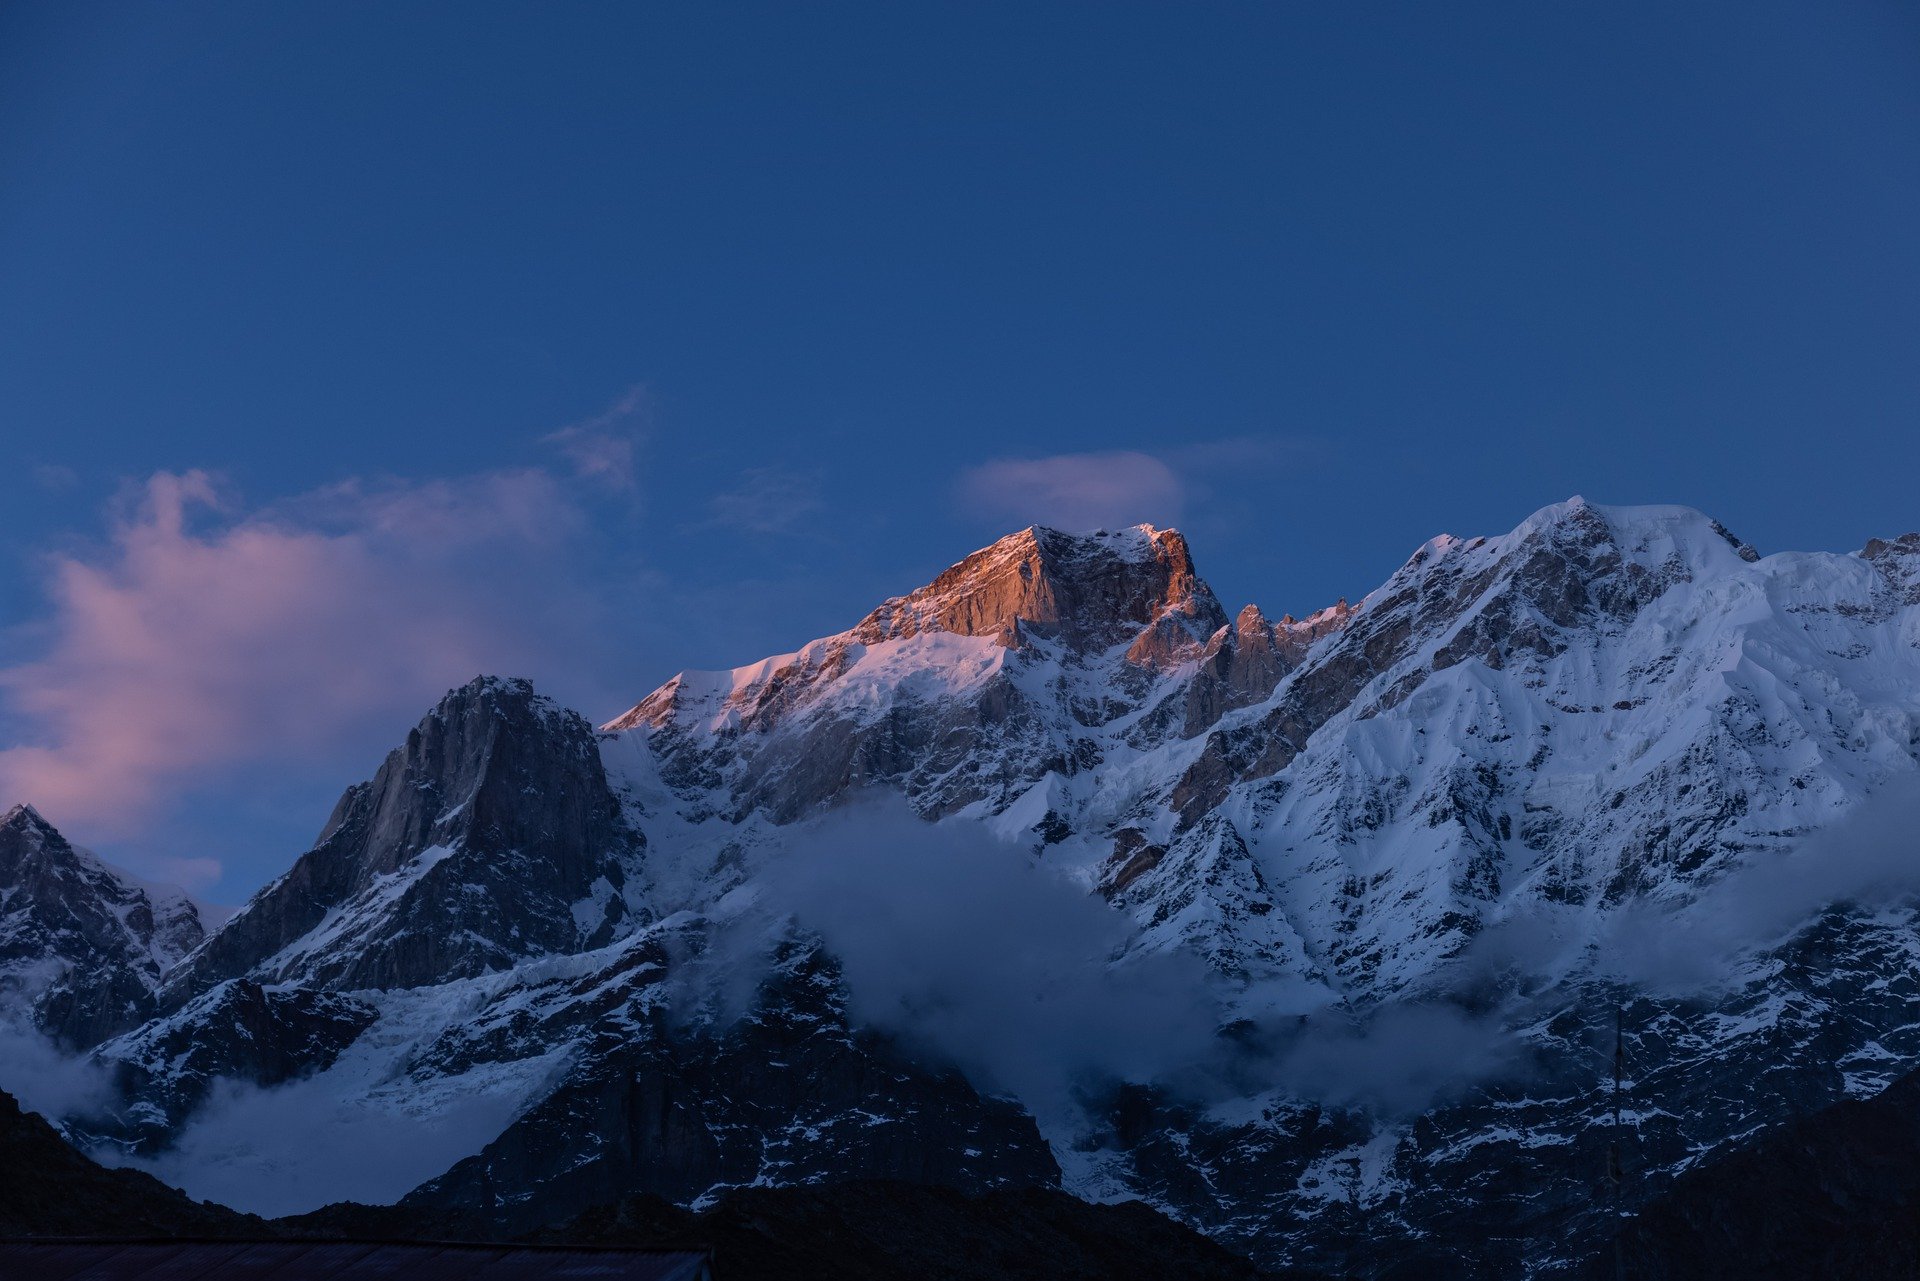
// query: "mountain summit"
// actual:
[[1091, 591], [82, 945], [488, 838]]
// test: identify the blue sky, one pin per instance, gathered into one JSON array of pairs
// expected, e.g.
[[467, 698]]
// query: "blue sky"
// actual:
[[596, 341]]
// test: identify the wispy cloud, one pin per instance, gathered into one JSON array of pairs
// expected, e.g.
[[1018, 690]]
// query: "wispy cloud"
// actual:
[[200, 637], [55, 477], [1076, 491], [1115, 488], [603, 449], [768, 500]]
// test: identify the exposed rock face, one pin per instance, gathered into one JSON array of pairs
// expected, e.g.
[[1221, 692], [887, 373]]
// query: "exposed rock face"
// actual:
[[488, 838], [1081, 595], [1019, 662], [1092, 592], [1243, 664], [1208, 895], [1898, 560], [82, 946]]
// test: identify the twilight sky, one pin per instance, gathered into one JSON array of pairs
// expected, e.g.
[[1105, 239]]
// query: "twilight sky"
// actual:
[[350, 349]]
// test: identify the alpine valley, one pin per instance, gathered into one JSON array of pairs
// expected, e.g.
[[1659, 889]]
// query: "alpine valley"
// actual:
[[1504, 900]]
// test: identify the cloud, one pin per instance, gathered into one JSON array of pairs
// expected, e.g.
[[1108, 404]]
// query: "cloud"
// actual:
[[45, 1079], [1868, 859], [297, 1147], [55, 477], [1076, 491], [954, 942], [970, 954], [602, 449], [199, 638], [768, 500], [1397, 1059]]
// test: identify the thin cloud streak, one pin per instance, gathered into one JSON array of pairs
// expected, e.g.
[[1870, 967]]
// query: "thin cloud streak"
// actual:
[[767, 500], [603, 449], [1076, 491]]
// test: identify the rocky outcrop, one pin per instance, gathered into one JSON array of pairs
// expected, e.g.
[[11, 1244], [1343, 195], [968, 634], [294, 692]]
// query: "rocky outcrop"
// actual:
[[1207, 895], [489, 837], [1021, 661], [1091, 591], [1898, 560], [1084, 595], [236, 1032], [1243, 665], [790, 1093]]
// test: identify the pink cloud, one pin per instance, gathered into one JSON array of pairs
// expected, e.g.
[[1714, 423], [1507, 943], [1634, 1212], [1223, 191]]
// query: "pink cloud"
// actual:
[[768, 500], [602, 449], [197, 640], [1076, 491]]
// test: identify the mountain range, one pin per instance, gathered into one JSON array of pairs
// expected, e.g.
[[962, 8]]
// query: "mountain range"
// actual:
[[1423, 935]]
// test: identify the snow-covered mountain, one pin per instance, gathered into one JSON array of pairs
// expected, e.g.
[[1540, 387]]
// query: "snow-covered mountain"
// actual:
[[1424, 828], [83, 945], [1604, 704]]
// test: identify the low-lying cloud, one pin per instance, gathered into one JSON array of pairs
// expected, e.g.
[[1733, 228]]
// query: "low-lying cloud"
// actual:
[[955, 943], [1691, 946], [965, 949], [45, 1079], [297, 1147]]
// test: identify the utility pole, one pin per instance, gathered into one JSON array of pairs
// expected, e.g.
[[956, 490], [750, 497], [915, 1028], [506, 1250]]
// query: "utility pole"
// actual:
[[1354, 1244], [1615, 1171]]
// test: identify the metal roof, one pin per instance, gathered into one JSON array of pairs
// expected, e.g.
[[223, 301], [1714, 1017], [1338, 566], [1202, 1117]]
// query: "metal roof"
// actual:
[[342, 1260]]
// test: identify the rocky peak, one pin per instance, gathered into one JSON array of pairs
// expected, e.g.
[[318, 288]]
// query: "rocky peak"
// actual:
[[34, 857], [455, 777], [82, 946], [1092, 591], [24, 818], [488, 836], [1244, 664]]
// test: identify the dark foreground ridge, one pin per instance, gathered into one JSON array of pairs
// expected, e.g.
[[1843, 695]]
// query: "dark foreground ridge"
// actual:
[[873, 1231], [47, 1188], [1835, 1193], [175, 1259]]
